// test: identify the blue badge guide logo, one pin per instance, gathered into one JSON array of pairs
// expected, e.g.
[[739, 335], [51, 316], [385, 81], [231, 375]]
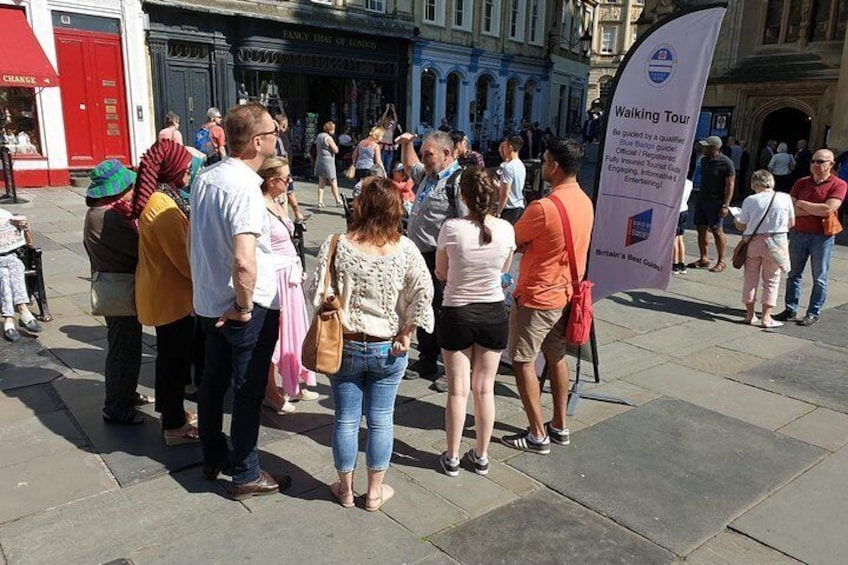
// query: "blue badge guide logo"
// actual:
[[639, 227], [660, 66]]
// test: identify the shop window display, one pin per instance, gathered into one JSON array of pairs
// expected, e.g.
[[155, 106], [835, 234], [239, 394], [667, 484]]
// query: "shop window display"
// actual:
[[354, 105], [19, 121]]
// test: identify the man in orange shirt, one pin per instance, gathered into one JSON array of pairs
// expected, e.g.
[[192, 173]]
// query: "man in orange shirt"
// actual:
[[539, 314]]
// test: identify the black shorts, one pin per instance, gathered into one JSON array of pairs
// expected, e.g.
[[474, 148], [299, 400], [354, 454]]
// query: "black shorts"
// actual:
[[483, 324], [681, 223], [707, 212]]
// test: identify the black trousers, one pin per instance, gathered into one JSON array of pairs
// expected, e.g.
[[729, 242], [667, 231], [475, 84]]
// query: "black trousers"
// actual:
[[123, 363], [428, 344], [173, 370], [198, 352]]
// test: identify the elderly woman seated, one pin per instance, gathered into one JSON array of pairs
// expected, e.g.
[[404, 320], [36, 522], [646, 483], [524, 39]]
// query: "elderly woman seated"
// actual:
[[13, 292]]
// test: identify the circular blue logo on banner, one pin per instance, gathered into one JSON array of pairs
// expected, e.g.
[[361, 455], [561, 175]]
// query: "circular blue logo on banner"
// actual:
[[661, 65]]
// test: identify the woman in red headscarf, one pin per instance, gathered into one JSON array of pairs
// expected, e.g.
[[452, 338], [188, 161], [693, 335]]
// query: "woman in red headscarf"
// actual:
[[163, 291]]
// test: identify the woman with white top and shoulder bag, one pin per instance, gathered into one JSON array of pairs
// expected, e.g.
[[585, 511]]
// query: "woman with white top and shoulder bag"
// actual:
[[765, 218]]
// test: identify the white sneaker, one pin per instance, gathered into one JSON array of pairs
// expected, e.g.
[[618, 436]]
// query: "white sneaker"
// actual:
[[286, 408], [306, 394]]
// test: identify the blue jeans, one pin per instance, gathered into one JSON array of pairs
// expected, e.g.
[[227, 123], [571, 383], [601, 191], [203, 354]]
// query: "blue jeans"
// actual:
[[240, 353], [371, 373], [387, 156], [818, 248]]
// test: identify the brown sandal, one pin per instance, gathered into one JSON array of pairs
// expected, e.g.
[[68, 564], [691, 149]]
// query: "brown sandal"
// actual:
[[180, 436], [718, 267], [345, 501], [699, 264], [374, 504]]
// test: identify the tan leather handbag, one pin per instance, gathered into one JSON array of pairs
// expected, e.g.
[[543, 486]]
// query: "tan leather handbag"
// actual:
[[831, 225], [322, 348]]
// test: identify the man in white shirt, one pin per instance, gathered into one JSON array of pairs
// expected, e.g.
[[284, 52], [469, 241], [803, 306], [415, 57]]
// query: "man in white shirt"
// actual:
[[235, 296], [513, 174]]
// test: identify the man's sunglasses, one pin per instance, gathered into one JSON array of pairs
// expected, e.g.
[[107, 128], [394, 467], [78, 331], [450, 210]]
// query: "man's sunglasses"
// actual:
[[819, 161], [275, 131]]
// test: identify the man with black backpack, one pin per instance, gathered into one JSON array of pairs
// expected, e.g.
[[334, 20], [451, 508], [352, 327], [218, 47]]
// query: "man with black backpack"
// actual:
[[210, 139], [436, 176]]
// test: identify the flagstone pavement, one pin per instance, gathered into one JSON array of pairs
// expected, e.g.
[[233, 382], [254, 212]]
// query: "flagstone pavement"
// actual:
[[732, 452]]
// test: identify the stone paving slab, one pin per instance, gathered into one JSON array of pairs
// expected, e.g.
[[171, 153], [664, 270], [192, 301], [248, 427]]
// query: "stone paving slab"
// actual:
[[296, 530], [132, 453], [766, 344], [630, 310], [473, 494], [123, 522], [25, 402], [730, 548], [49, 481], [718, 360], [620, 359], [38, 436], [546, 528], [822, 427], [830, 328], [757, 407], [806, 519], [671, 471], [678, 341], [816, 374], [27, 363]]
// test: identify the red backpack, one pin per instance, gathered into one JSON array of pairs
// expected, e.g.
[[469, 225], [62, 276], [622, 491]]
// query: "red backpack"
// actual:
[[581, 310]]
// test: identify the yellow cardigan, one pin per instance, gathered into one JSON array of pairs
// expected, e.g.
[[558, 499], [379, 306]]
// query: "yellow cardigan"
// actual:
[[163, 292]]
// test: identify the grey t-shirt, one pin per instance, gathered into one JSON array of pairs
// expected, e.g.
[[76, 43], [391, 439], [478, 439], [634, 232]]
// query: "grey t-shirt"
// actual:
[[432, 206]]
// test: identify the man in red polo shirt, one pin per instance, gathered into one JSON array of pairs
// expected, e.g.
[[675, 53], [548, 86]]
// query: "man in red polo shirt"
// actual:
[[815, 197]]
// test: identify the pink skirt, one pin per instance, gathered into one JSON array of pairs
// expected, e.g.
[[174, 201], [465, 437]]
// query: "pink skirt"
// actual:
[[294, 323]]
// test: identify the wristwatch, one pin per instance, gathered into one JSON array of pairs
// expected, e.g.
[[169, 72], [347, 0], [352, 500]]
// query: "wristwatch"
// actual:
[[725, 206], [241, 309]]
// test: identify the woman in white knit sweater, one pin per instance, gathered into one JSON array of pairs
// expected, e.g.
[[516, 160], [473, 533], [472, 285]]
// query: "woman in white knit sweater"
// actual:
[[385, 292]]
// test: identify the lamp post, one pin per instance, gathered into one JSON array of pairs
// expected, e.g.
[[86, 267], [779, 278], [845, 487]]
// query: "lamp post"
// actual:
[[585, 42]]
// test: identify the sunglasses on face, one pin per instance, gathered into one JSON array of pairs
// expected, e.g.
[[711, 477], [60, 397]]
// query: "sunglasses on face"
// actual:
[[286, 180], [819, 161], [275, 132]]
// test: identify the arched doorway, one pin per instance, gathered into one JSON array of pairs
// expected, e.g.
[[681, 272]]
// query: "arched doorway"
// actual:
[[485, 115], [427, 115], [509, 108], [786, 125], [452, 100], [527, 110]]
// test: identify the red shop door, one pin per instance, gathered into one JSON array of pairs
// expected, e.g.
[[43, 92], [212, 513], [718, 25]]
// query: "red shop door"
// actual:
[[93, 97]]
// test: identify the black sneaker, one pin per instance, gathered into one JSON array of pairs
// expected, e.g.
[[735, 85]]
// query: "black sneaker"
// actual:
[[480, 466], [785, 316], [807, 321], [450, 467], [675, 268], [681, 270], [561, 438], [523, 442]]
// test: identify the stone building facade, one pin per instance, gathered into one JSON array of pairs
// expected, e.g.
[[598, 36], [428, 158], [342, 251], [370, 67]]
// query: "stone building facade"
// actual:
[[613, 33], [481, 65], [314, 60], [780, 71]]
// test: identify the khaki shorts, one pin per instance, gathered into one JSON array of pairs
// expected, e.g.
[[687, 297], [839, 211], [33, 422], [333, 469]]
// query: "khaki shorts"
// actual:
[[532, 331]]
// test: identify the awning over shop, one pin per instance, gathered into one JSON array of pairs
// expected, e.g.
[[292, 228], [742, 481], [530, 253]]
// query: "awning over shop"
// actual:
[[22, 60]]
